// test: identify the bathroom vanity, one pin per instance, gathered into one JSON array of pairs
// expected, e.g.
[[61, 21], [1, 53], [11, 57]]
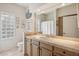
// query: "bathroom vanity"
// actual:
[[39, 45], [64, 25]]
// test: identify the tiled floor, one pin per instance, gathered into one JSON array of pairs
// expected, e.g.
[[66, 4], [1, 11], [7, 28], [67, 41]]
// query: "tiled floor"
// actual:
[[12, 52]]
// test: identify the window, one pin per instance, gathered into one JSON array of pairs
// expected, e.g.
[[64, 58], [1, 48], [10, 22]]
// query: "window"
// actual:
[[29, 25], [7, 26]]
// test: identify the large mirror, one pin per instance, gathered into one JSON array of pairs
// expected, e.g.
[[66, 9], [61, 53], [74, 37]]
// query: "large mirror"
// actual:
[[64, 24], [67, 21], [67, 26], [46, 23]]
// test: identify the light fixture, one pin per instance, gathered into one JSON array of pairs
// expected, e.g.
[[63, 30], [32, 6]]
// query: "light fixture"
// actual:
[[28, 13]]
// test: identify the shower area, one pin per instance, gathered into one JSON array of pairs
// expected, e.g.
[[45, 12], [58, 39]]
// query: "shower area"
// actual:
[[7, 33]]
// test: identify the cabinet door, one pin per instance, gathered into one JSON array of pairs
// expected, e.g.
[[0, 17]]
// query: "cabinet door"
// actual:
[[45, 52], [35, 50], [28, 47]]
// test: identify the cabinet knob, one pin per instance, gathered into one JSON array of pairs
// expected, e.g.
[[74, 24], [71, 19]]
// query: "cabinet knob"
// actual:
[[64, 52]]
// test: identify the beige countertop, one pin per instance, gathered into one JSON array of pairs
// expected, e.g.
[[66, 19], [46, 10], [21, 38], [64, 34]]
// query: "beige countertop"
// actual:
[[63, 42]]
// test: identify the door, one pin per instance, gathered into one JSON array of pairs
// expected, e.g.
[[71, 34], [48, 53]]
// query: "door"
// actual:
[[45, 52], [35, 50], [70, 26]]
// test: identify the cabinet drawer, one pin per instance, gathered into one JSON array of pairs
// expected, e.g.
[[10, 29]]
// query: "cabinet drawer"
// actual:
[[64, 52], [47, 46], [57, 54], [35, 42]]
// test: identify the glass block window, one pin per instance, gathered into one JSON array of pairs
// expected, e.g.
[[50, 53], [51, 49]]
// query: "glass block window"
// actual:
[[7, 26]]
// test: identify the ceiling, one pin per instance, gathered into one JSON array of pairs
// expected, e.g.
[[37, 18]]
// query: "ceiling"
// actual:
[[40, 6], [32, 6]]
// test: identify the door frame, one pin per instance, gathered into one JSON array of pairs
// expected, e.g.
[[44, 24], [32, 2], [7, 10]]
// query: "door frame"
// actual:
[[59, 26]]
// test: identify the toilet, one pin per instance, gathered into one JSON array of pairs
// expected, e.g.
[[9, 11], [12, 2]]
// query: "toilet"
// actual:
[[20, 46]]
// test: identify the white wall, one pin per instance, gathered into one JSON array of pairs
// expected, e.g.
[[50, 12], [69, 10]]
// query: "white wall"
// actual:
[[20, 13]]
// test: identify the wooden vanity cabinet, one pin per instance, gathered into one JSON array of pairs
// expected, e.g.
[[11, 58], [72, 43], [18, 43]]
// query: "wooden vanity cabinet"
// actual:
[[27, 47], [35, 48], [45, 49]]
